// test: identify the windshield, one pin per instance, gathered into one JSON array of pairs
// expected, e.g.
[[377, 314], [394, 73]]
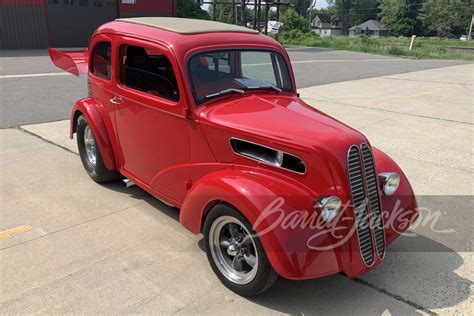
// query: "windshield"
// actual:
[[222, 72]]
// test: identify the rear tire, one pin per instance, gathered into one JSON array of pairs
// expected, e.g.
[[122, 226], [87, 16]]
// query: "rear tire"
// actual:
[[235, 252], [90, 153]]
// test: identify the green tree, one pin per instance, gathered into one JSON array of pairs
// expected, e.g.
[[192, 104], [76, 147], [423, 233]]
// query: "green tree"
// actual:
[[301, 6], [328, 10], [354, 12], [293, 21], [223, 12], [191, 9], [446, 18], [248, 15], [401, 16], [363, 10]]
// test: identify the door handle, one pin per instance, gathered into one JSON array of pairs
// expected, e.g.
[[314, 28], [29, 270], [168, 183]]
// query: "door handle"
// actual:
[[116, 100]]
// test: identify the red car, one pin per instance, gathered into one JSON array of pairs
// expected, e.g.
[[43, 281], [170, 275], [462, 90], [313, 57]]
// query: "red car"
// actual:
[[205, 117]]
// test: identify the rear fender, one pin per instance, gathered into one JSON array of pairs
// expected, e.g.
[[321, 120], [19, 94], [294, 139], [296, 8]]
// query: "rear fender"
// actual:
[[254, 195], [91, 111]]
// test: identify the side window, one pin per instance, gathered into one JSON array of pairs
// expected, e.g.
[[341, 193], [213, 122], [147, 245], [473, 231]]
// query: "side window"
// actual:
[[149, 71], [101, 62]]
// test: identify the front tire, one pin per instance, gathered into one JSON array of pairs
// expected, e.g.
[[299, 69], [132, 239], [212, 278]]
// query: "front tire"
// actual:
[[90, 153], [235, 252]]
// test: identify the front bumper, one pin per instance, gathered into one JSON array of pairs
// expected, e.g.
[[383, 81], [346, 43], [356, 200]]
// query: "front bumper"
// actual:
[[316, 252]]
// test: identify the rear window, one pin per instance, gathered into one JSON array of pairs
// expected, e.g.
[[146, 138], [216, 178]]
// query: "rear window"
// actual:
[[101, 61]]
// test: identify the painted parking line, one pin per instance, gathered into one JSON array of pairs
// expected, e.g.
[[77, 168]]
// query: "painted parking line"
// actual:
[[46, 74], [15, 231]]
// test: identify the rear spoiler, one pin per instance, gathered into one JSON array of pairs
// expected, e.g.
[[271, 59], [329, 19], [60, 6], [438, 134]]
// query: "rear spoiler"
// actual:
[[73, 61]]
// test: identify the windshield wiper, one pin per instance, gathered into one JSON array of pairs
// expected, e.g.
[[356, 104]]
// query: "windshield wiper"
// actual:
[[266, 87], [255, 84], [225, 91]]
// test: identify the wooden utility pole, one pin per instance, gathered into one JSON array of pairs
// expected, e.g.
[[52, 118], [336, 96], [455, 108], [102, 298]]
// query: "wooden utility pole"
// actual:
[[259, 9], [214, 10], [255, 14], [278, 10], [266, 16], [233, 17], [242, 12]]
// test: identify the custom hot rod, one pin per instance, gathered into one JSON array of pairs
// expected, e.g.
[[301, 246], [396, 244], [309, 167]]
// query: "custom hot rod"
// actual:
[[205, 117]]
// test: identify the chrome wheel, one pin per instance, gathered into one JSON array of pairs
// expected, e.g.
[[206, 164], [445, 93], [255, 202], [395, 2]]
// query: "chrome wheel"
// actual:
[[233, 250], [90, 145]]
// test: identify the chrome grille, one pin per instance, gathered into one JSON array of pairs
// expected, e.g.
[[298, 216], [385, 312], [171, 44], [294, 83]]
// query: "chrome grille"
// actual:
[[373, 200], [357, 186]]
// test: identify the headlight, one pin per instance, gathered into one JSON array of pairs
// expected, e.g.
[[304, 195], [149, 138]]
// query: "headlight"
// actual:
[[329, 207], [390, 182]]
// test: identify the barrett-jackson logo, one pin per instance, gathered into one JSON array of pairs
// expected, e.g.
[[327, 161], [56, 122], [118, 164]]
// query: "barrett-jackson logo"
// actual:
[[343, 227]]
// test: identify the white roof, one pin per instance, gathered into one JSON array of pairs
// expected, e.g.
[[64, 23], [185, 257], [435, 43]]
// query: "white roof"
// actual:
[[188, 26]]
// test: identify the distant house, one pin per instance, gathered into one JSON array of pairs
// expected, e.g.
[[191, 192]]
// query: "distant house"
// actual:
[[326, 25], [372, 28]]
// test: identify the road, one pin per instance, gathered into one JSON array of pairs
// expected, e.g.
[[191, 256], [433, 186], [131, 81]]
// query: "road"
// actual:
[[34, 91], [78, 247]]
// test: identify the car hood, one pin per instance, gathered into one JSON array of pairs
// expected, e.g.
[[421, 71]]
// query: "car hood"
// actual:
[[282, 119]]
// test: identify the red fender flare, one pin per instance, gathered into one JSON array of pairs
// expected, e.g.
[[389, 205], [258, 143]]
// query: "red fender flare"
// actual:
[[91, 110], [251, 194]]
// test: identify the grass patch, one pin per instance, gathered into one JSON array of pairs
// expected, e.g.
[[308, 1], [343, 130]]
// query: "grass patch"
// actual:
[[423, 48]]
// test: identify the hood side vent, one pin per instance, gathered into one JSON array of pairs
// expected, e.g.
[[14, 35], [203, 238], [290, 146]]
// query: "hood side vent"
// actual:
[[268, 155]]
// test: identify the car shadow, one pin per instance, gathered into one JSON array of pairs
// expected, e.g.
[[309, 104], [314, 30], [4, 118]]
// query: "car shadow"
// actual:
[[137, 193], [423, 271], [417, 271]]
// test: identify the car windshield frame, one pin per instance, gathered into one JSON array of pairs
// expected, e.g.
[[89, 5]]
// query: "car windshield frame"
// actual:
[[285, 68]]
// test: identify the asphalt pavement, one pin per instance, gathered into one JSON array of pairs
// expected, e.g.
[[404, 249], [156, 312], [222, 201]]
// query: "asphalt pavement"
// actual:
[[33, 90], [78, 247]]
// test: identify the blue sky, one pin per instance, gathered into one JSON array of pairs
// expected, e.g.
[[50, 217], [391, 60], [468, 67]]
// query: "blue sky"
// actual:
[[321, 4]]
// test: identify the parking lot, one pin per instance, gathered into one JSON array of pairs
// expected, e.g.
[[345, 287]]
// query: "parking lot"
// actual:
[[72, 246]]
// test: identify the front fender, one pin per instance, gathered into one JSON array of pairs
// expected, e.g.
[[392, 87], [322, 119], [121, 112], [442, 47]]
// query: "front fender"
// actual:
[[90, 109], [256, 195], [401, 209]]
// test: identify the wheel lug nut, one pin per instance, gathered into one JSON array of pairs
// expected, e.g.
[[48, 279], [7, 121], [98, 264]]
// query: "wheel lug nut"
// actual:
[[232, 250]]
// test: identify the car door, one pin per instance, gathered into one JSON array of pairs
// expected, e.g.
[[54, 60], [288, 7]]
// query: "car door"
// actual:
[[152, 129], [102, 78]]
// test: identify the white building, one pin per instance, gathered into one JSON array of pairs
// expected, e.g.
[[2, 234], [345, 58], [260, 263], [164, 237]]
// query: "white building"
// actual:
[[326, 25]]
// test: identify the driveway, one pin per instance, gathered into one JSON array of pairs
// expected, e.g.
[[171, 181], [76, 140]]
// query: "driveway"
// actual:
[[70, 245], [35, 91]]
